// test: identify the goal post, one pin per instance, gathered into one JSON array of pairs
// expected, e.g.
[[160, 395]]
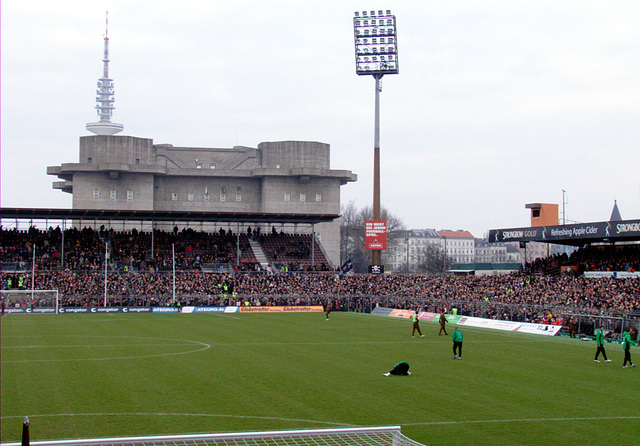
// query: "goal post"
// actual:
[[30, 301], [587, 324], [361, 436]]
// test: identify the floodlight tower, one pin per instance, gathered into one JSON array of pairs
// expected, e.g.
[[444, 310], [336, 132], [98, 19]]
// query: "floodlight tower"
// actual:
[[376, 46], [105, 96]]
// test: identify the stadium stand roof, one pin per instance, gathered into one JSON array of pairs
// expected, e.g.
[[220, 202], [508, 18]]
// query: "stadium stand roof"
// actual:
[[166, 216], [579, 234], [483, 268]]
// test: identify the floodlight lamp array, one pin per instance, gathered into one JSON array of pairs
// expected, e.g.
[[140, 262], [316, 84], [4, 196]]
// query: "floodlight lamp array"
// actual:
[[376, 42]]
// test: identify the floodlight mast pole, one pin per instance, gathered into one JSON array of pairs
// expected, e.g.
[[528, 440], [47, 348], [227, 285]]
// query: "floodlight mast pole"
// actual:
[[375, 254], [376, 46]]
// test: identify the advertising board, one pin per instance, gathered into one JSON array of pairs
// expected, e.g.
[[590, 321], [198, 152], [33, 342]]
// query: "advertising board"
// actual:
[[375, 235]]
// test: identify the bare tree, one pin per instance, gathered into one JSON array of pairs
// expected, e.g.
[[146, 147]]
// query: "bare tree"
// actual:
[[352, 223], [433, 260]]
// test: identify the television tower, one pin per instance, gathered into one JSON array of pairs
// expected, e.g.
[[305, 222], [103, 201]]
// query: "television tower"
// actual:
[[105, 96]]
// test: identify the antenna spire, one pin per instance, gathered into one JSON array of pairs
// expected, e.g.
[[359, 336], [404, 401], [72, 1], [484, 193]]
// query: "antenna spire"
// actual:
[[105, 59], [105, 95]]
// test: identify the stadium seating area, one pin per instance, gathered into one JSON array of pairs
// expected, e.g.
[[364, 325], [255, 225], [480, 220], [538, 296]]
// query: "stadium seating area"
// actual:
[[294, 252], [591, 258], [132, 250], [141, 278]]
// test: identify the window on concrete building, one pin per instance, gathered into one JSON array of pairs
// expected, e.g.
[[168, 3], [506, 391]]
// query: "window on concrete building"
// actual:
[[137, 161], [129, 195], [190, 197], [174, 197], [303, 197], [287, 197], [113, 194], [238, 197], [318, 197], [223, 197], [89, 160], [207, 197], [96, 193]]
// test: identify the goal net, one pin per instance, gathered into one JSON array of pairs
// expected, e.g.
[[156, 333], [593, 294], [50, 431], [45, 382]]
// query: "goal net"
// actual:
[[372, 436], [587, 324], [30, 301]]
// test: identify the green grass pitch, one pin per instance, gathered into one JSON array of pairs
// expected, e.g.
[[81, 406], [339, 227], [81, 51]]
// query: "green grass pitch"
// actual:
[[88, 376]]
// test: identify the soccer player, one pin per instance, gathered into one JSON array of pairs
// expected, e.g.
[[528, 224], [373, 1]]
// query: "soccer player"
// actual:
[[401, 368], [416, 325], [572, 327], [327, 308], [456, 336], [626, 345], [600, 345], [443, 320]]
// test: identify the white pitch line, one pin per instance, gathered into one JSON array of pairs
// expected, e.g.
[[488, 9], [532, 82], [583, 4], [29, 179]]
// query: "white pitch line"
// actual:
[[523, 420], [426, 423], [203, 345], [95, 345], [204, 415]]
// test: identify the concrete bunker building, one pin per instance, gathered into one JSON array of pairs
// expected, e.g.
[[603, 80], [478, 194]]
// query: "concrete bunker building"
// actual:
[[130, 173]]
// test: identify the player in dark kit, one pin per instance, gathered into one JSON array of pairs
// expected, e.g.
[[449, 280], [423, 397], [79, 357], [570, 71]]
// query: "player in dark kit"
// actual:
[[416, 325], [327, 308], [443, 320], [401, 368]]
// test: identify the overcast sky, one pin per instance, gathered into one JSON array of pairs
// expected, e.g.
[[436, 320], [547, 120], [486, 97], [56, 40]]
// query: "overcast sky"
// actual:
[[497, 104]]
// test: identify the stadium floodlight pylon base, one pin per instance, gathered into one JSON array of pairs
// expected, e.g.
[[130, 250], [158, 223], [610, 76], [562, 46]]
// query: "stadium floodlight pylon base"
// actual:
[[358, 436]]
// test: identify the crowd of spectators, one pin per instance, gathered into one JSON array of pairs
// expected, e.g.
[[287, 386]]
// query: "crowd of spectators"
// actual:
[[293, 252], [591, 258], [135, 250], [604, 295], [528, 295]]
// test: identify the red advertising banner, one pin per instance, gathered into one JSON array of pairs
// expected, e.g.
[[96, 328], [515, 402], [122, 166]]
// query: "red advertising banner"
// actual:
[[375, 235]]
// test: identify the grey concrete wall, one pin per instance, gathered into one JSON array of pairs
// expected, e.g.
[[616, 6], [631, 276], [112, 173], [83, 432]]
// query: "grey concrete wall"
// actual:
[[197, 187], [116, 149], [292, 154], [251, 180], [84, 183]]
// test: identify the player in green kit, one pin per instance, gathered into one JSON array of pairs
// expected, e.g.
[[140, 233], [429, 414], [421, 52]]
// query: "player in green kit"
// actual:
[[600, 345], [626, 345], [456, 336]]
